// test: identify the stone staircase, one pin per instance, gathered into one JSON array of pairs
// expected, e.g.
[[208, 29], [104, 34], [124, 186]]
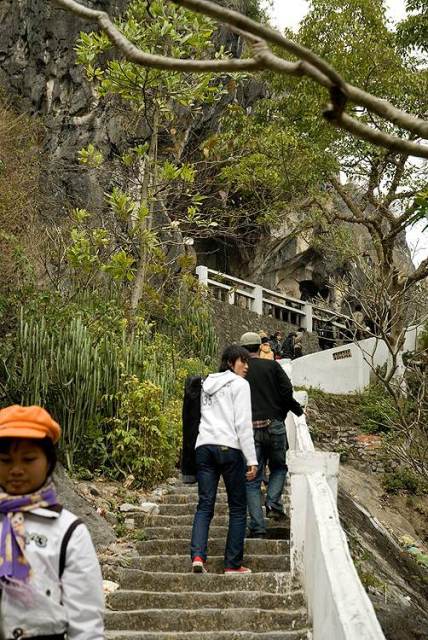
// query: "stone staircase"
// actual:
[[160, 599]]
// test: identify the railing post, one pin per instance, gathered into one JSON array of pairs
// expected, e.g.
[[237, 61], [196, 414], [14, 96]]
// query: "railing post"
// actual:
[[231, 296], [307, 319], [258, 299], [202, 273]]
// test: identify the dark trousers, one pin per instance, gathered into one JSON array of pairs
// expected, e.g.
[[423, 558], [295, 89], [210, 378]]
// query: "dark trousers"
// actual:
[[271, 445], [213, 461]]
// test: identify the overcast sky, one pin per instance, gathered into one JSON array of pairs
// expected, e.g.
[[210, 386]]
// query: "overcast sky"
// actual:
[[288, 13]]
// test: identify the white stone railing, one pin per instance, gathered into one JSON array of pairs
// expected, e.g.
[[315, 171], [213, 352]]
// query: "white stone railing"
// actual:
[[337, 602], [264, 301]]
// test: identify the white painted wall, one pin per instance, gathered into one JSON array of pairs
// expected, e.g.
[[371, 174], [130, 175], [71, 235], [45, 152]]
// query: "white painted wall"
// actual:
[[325, 370], [321, 371]]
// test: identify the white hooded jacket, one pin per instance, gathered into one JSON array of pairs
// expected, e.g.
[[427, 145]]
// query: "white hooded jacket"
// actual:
[[49, 604], [226, 414]]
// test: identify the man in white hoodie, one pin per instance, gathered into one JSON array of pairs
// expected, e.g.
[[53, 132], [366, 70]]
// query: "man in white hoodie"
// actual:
[[224, 447]]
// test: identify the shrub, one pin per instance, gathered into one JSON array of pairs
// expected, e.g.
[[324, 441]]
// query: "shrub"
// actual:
[[144, 438], [116, 394], [379, 413], [403, 479]]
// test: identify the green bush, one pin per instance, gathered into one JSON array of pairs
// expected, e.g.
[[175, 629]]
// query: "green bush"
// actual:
[[403, 479], [116, 394], [144, 438], [379, 413]]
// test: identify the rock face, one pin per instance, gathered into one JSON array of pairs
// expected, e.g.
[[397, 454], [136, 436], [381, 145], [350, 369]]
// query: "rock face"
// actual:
[[102, 533], [39, 75]]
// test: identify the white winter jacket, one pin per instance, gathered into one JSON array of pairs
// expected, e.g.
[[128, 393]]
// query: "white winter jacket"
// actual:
[[51, 604], [226, 414]]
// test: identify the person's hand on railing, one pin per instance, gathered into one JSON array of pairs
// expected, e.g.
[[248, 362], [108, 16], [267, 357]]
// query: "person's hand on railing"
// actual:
[[251, 472]]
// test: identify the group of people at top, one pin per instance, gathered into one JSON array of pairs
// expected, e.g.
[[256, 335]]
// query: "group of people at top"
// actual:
[[233, 427], [276, 348]]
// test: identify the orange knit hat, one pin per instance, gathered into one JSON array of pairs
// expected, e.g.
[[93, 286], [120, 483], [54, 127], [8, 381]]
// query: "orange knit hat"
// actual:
[[28, 422]]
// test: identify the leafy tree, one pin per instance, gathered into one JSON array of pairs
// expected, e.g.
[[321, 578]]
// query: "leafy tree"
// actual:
[[413, 30], [160, 200]]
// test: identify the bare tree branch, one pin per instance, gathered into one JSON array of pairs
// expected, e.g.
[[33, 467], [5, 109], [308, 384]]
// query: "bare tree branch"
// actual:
[[398, 174], [379, 138], [420, 273], [309, 65]]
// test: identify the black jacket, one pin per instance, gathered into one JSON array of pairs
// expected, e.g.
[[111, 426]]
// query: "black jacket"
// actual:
[[191, 417], [271, 391]]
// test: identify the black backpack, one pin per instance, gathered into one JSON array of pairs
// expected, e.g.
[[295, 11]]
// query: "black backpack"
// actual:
[[191, 418]]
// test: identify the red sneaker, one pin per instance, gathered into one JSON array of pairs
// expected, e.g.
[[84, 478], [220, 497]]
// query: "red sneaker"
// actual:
[[239, 571], [198, 565]]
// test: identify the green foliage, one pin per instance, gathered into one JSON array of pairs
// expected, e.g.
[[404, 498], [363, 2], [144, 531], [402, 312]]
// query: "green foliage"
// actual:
[[90, 156], [143, 439], [268, 162], [404, 479], [378, 410], [115, 393], [159, 28], [423, 338], [413, 30], [420, 204], [120, 267]]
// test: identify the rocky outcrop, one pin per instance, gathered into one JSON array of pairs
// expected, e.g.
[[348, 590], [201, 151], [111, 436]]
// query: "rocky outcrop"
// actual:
[[38, 74], [101, 532]]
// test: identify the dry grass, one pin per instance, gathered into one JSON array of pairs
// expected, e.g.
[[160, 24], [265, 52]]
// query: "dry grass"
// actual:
[[19, 192]]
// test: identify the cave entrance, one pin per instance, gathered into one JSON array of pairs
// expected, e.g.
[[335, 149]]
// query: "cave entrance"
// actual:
[[309, 290]]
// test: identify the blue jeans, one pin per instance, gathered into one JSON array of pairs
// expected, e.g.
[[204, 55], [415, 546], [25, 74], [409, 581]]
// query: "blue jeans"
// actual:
[[271, 444], [213, 461]]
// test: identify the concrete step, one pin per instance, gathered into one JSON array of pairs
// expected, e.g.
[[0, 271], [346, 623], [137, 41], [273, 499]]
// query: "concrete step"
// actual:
[[215, 546], [173, 532], [179, 620], [209, 582], [193, 488], [128, 600], [221, 508], [192, 498], [215, 564], [143, 520], [185, 531], [298, 634]]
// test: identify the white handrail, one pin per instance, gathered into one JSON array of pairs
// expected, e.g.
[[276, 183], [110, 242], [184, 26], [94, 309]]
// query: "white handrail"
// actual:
[[259, 296], [337, 602], [263, 300]]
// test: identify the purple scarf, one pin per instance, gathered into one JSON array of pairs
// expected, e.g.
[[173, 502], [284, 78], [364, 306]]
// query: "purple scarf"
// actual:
[[13, 563]]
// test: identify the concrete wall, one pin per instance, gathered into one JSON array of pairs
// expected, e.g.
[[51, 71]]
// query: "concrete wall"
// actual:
[[345, 369], [231, 322]]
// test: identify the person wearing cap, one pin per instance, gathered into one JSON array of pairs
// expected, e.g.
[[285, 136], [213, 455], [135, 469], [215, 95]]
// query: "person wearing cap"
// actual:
[[265, 350], [271, 399], [50, 578], [276, 344]]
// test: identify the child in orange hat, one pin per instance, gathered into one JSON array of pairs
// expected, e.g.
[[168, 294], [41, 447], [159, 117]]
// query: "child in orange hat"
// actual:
[[50, 578]]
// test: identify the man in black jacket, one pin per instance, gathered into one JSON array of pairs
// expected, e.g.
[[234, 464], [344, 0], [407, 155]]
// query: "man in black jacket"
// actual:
[[271, 399]]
